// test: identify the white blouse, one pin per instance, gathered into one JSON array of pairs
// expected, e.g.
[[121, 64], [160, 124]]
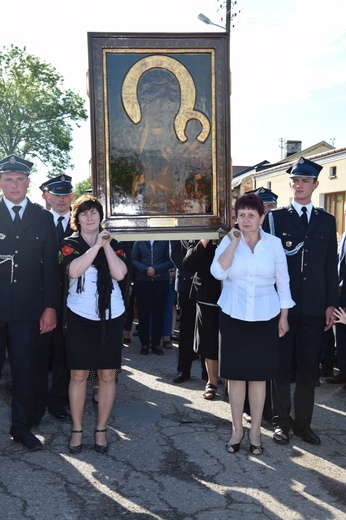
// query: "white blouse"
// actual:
[[85, 304], [257, 284]]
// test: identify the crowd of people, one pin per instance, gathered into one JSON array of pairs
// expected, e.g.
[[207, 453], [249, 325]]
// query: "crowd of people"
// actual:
[[254, 308]]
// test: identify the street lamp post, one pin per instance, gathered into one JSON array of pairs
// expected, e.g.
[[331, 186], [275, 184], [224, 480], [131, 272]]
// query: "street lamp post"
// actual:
[[228, 15], [208, 21]]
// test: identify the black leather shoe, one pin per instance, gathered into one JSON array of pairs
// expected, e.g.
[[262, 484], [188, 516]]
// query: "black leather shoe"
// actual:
[[337, 380], [281, 435], [144, 350], [75, 449], [28, 439], [181, 377], [60, 413], [100, 448], [307, 435], [158, 350]]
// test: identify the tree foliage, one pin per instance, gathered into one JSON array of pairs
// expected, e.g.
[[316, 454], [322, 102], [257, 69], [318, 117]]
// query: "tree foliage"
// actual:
[[81, 188], [36, 112]]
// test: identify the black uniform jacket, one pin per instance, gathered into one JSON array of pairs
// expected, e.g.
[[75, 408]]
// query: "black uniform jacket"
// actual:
[[311, 257], [205, 288], [29, 272]]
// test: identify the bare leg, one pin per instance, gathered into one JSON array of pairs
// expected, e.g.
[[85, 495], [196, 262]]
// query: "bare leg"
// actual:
[[105, 402], [236, 401], [212, 367], [77, 392], [257, 393]]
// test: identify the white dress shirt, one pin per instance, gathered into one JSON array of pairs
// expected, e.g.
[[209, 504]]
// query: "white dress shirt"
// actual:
[[63, 222], [256, 286], [298, 207], [10, 205]]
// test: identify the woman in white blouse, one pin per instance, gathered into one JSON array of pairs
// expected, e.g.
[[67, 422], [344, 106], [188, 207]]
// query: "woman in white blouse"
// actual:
[[254, 303]]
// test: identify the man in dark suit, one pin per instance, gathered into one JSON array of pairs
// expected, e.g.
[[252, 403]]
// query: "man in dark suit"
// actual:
[[59, 195], [183, 281], [29, 275], [308, 235]]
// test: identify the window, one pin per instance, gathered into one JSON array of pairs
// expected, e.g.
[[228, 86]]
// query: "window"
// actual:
[[332, 172], [334, 204]]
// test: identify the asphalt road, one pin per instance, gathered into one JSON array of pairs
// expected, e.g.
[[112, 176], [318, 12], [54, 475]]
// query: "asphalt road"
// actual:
[[167, 458]]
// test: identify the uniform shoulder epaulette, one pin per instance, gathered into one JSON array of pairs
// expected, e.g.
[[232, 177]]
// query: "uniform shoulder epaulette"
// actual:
[[38, 205], [278, 209], [319, 208]]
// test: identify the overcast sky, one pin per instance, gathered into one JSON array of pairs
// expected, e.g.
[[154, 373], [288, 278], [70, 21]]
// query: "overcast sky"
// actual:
[[287, 61]]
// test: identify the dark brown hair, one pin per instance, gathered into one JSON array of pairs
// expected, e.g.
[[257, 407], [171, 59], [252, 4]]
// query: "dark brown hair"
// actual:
[[84, 203], [249, 201]]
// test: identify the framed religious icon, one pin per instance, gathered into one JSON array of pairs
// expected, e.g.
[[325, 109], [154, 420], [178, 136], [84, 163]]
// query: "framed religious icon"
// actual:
[[160, 119]]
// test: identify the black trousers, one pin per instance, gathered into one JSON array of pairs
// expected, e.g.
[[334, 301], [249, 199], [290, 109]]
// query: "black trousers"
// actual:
[[58, 393], [341, 347], [21, 337], [56, 397], [151, 301], [130, 310], [327, 357], [3, 348], [186, 332], [299, 347], [42, 354]]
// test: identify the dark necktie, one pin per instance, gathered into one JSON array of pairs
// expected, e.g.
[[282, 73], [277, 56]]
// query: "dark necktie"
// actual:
[[304, 217], [60, 229], [16, 210]]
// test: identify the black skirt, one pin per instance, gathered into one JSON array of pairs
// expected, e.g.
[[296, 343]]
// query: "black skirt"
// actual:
[[84, 348], [206, 338], [249, 351]]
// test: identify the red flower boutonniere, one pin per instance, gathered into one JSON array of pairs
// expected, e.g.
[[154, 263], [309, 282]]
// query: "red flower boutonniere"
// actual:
[[66, 251]]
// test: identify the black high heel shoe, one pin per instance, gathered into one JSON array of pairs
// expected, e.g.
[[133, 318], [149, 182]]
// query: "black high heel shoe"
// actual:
[[100, 448], [235, 447], [76, 449], [258, 448]]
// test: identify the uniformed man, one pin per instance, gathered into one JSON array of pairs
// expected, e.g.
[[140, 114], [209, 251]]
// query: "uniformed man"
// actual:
[[59, 196], [268, 198], [183, 282], [29, 287], [308, 235], [44, 195]]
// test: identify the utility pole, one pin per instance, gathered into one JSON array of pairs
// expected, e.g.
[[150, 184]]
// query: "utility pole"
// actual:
[[228, 15]]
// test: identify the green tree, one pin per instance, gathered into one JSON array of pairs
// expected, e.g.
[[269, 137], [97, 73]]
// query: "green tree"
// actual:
[[36, 112], [81, 188]]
